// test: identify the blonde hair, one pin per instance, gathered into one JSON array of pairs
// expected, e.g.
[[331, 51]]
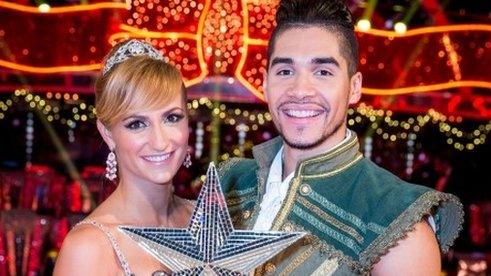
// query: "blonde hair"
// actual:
[[140, 82]]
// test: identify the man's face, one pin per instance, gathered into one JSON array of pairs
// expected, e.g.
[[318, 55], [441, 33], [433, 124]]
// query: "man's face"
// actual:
[[307, 87]]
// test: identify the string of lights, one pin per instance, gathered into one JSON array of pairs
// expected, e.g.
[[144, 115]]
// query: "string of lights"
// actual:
[[382, 122]]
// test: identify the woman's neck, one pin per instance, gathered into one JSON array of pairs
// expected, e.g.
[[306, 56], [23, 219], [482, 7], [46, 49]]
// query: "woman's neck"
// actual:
[[146, 204]]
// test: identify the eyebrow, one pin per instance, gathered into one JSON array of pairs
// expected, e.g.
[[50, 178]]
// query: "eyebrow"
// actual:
[[134, 116], [325, 60], [279, 60], [318, 60], [142, 117]]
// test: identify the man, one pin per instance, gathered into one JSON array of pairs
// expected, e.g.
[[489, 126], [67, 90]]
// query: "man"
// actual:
[[360, 218]]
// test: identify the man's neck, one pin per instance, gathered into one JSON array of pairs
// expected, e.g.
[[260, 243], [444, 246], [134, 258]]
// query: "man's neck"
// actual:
[[292, 157]]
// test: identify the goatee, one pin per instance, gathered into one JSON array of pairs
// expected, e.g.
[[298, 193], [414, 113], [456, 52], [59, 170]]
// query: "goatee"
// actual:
[[308, 146]]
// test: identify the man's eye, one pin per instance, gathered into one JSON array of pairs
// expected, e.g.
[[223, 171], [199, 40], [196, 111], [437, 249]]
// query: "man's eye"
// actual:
[[135, 125], [174, 118], [323, 72], [285, 72]]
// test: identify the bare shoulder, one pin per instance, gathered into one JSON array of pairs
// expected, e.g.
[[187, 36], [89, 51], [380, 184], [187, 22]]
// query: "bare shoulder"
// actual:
[[417, 254], [86, 250]]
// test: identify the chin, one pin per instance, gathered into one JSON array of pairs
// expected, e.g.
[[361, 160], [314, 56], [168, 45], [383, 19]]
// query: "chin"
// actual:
[[160, 179], [302, 138], [166, 178], [305, 143]]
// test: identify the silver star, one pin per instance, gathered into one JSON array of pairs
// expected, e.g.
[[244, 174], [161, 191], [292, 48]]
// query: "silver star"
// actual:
[[210, 245]]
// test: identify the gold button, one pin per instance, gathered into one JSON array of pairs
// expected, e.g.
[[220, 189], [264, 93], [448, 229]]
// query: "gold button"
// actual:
[[308, 239], [270, 268], [287, 228], [246, 214], [305, 189]]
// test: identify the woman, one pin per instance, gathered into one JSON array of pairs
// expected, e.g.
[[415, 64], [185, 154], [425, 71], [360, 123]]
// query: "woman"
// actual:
[[142, 117]]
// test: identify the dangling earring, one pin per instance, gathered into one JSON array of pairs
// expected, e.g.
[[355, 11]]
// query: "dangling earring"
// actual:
[[111, 166], [187, 162]]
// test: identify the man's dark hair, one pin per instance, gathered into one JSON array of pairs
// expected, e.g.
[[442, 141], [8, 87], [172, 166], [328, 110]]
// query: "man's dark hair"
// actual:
[[332, 15]]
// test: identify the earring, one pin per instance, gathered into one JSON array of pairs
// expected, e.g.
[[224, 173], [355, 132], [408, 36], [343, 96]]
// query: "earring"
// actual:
[[111, 166], [187, 162]]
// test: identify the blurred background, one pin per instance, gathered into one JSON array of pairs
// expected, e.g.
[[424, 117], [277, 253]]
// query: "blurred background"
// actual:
[[425, 113]]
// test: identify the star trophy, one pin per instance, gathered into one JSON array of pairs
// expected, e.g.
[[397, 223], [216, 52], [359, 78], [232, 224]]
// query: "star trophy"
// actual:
[[210, 245]]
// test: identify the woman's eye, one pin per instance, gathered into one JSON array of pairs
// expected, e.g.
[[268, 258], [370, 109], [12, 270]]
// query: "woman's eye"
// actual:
[[135, 125], [323, 72], [174, 118]]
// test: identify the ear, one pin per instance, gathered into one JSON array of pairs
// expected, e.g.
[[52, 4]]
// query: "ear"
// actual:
[[265, 85], [106, 135], [355, 88]]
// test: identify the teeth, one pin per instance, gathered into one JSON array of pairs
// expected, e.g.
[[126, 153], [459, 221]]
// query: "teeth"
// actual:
[[157, 158], [302, 113]]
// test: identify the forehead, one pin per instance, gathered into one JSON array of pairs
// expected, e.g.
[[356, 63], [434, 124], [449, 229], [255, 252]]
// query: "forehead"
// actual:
[[155, 103], [307, 43]]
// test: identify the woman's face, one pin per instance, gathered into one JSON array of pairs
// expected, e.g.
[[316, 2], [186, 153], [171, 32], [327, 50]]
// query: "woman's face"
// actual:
[[150, 145]]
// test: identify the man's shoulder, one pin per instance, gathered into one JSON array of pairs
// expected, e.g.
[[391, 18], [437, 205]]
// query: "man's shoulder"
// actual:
[[370, 210], [235, 165], [238, 180], [383, 196], [384, 183], [234, 173], [368, 182], [398, 205]]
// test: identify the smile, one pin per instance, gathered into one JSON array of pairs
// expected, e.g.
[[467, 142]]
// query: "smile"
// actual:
[[157, 158], [294, 113]]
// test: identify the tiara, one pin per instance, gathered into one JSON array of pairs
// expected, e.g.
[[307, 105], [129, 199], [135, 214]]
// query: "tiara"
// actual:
[[131, 48]]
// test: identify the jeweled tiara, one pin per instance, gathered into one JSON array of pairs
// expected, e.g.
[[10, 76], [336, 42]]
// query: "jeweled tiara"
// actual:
[[131, 48]]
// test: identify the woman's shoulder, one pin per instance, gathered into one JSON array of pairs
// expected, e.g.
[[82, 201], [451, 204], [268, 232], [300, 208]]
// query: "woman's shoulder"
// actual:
[[85, 246], [86, 233]]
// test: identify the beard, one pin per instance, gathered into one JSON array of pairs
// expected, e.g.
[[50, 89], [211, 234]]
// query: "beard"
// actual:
[[315, 143], [308, 145]]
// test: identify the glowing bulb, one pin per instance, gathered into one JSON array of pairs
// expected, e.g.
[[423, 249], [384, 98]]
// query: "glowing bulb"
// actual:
[[364, 25], [400, 27], [44, 8]]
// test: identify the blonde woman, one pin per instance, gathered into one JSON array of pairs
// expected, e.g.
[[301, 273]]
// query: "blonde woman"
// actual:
[[142, 117]]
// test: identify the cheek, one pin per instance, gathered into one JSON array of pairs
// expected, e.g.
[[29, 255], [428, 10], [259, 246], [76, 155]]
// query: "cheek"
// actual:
[[180, 134], [131, 143], [339, 108], [274, 97], [336, 94], [276, 87], [126, 141]]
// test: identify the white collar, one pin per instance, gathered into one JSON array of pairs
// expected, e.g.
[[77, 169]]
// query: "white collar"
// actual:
[[276, 169]]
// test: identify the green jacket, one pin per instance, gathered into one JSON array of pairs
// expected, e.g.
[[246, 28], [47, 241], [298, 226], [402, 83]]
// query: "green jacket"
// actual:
[[353, 210]]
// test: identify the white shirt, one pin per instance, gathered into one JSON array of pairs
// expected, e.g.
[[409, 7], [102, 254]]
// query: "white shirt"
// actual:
[[276, 190]]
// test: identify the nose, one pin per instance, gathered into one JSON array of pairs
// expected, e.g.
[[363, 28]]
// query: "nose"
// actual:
[[302, 87], [159, 139]]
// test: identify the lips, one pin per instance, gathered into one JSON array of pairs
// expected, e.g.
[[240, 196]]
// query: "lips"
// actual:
[[301, 110], [302, 113], [157, 158]]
